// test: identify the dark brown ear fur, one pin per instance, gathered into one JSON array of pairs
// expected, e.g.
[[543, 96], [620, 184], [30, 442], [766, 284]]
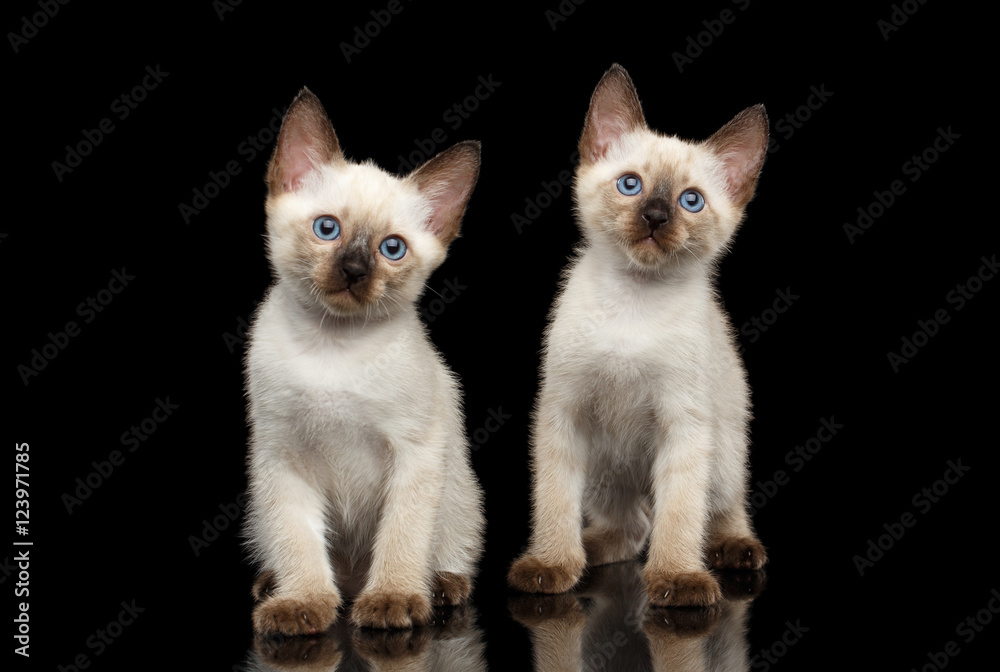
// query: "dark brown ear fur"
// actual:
[[447, 180], [742, 145], [614, 111], [306, 140]]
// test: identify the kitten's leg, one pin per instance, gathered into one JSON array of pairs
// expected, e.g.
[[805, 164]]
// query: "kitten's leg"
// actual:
[[397, 593], [287, 531], [618, 525], [459, 532], [555, 557], [674, 573], [732, 543]]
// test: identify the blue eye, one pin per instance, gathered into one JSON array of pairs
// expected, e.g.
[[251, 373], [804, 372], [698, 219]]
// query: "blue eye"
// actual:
[[326, 228], [630, 185], [392, 248], [692, 200]]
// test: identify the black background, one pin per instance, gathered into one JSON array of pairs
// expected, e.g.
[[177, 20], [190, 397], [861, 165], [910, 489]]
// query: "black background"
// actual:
[[169, 334]]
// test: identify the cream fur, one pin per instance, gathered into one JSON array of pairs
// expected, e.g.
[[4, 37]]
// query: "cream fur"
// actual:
[[640, 430], [360, 478]]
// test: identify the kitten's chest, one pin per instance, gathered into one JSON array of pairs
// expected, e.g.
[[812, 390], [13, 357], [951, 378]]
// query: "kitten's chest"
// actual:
[[628, 353], [627, 334], [351, 391]]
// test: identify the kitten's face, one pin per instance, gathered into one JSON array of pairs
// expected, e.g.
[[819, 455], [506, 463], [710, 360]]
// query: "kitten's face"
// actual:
[[657, 198], [352, 238]]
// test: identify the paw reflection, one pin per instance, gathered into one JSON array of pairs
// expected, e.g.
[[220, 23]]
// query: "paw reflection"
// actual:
[[607, 623], [451, 642]]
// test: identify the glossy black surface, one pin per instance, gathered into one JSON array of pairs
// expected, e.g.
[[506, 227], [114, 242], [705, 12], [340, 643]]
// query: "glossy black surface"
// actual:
[[873, 477]]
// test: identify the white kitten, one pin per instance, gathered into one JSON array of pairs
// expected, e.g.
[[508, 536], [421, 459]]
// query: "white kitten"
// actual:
[[640, 427], [360, 479]]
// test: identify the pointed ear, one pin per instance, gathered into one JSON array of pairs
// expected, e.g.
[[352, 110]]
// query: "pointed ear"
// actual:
[[614, 111], [447, 181], [306, 141], [742, 145]]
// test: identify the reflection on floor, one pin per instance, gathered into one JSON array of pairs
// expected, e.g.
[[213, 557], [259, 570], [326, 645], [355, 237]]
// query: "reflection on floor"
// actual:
[[453, 643], [607, 624]]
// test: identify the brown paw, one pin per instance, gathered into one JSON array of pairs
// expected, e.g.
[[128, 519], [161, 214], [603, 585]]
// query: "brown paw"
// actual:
[[295, 616], [449, 589], [686, 589], [737, 553], [533, 610], [530, 575], [387, 610], [264, 586]]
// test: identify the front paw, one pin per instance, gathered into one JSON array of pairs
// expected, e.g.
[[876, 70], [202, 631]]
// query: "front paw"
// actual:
[[530, 575], [682, 589], [449, 589], [388, 610], [737, 553], [295, 616]]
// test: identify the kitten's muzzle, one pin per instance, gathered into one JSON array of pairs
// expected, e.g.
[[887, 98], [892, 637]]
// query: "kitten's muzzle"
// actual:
[[656, 214], [354, 267]]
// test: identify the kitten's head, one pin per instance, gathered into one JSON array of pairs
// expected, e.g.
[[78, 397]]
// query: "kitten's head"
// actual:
[[351, 238], [657, 198]]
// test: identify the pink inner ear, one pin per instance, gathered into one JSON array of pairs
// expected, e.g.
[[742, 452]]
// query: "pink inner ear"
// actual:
[[742, 146], [446, 181], [609, 126], [305, 142], [614, 111], [298, 159], [738, 161], [448, 199]]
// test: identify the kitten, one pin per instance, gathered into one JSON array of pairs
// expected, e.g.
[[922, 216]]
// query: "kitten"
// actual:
[[640, 429], [360, 477]]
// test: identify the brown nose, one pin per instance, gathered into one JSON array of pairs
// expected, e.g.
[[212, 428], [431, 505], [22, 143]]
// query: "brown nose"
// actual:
[[655, 213], [354, 268]]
